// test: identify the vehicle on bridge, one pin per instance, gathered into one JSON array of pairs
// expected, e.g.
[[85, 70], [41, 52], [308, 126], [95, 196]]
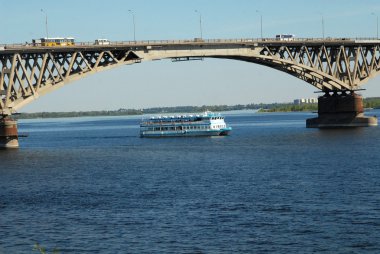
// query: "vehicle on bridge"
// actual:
[[285, 37], [102, 42], [198, 40], [54, 42], [208, 124]]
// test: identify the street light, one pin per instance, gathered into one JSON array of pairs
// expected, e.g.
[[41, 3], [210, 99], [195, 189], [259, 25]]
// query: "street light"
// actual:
[[323, 27], [261, 24], [46, 23], [377, 25], [200, 22], [134, 25]]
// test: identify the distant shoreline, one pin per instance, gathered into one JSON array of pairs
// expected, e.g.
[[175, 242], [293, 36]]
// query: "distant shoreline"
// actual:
[[158, 110], [373, 103]]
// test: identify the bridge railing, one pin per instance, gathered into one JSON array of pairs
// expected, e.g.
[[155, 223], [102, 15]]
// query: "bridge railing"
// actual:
[[199, 41], [223, 41]]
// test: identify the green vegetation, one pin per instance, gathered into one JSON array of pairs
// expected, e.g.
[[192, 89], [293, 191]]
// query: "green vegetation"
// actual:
[[120, 112], [373, 102], [289, 107]]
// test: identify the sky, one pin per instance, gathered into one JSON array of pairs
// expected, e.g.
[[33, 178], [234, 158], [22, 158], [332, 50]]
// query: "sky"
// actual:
[[164, 83]]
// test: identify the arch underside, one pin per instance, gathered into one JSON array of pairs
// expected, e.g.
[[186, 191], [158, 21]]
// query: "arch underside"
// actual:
[[327, 68], [26, 77], [317, 79]]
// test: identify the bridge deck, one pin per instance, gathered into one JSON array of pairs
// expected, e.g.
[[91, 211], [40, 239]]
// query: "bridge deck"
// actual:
[[90, 46]]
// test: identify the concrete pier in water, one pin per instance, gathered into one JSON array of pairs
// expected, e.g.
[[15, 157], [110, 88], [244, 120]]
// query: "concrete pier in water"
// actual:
[[8, 133], [340, 111]]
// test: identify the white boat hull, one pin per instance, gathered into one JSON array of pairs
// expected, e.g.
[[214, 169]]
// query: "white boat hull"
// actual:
[[185, 133]]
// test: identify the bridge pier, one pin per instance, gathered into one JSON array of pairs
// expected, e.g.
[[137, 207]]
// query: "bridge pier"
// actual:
[[340, 111], [8, 133]]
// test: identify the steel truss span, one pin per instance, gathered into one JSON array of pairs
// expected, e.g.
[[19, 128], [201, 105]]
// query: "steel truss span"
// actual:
[[27, 72]]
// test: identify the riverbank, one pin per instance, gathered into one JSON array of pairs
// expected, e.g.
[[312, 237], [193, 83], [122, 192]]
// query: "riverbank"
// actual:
[[373, 103]]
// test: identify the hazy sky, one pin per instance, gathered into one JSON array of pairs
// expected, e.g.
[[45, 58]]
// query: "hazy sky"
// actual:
[[163, 83]]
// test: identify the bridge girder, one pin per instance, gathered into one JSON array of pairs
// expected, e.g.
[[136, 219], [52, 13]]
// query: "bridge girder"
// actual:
[[27, 72]]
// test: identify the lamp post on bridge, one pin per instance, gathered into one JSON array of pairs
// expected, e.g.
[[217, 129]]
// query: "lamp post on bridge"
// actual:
[[46, 23], [134, 25], [200, 22], [323, 25], [377, 25], [261, 23]]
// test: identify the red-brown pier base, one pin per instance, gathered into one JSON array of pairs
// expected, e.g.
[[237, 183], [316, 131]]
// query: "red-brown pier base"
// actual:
[[340, 111], [8, 133]]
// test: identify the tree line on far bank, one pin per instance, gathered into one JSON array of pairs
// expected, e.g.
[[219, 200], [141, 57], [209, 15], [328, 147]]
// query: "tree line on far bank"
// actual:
[[373, 102]]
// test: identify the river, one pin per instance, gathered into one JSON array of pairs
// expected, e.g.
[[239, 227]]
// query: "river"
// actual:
[[92, 185]]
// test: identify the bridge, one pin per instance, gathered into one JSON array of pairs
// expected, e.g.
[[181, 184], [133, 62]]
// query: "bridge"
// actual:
[[336, 66]]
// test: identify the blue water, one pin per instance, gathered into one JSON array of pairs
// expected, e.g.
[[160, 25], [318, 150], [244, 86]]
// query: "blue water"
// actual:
[[91, 185]]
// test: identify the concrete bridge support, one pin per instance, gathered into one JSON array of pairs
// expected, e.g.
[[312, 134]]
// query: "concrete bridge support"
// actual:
[[8, 133], [340, 111]]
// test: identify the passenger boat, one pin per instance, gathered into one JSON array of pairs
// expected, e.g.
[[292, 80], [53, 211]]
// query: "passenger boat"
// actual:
[[207, 124]]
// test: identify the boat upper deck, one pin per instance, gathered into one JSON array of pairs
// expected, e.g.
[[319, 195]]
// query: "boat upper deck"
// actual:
[[207, 116]]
